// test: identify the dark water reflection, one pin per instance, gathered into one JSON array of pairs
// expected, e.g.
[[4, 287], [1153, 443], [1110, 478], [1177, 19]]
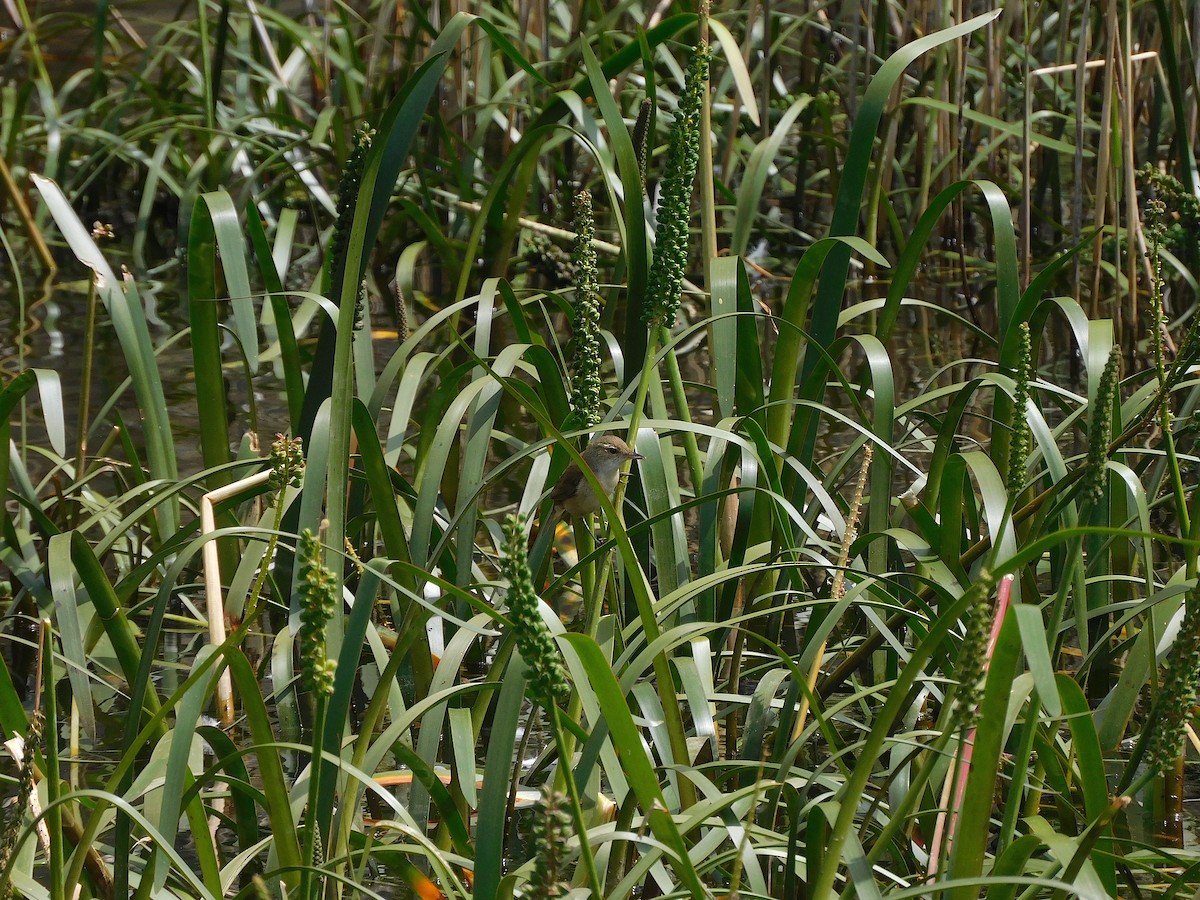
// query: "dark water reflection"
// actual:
[[48, 330]]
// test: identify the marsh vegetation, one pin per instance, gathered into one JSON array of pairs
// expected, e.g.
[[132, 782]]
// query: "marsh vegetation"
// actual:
[[895, 303]]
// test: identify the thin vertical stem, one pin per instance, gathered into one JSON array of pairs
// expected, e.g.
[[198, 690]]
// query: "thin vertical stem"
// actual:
[[564, 762], [312, 829], [1026, 215], [50, 732], [85, 382]]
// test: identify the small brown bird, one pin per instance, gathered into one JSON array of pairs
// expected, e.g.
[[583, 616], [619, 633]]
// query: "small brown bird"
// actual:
[[574, 495]]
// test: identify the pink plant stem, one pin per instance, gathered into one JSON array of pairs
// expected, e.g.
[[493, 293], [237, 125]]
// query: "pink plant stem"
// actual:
[[943, 829]]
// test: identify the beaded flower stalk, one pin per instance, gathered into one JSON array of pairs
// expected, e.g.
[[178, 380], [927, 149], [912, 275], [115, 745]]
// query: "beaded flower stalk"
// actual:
[[548, 834], [348, 186], [586, 386], [1181, 669], [1019, 449], [318, 602], [665, 280], [547, 678], [287, 471], [1100, 432]]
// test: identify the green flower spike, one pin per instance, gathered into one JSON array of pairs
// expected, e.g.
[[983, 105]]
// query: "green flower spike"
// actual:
[[586, 385], [1020, 425], [14, 821], [287, 462], [1181, 679], [972, 662], [318, 604], [548, 834], [1100, 430], [547, 677], [1156, 231], [641, 138], [665, 280], [348, 186]]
